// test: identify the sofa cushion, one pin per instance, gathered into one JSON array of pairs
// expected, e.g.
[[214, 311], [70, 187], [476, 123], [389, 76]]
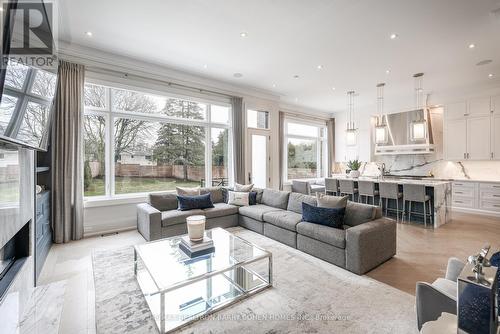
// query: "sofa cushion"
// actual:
[[173, 217], [256, 211], [275, 198], [216, 193], [332, 217], [329, 235], [295, 201], [220, 210], [328, 201], [359, 213], [259, 192], [194, 202], [163, 201], [284, 219]]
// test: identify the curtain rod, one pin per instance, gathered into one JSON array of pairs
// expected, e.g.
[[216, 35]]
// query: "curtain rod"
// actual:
[[96, 69]]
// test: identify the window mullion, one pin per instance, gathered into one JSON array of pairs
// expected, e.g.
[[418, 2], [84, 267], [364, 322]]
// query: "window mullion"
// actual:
[[110, 188]]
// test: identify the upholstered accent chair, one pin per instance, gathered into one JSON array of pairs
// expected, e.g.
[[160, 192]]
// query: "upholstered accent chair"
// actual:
[[440, 296]]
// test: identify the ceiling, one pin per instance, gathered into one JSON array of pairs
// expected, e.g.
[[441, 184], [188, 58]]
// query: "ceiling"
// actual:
[[348, 38]]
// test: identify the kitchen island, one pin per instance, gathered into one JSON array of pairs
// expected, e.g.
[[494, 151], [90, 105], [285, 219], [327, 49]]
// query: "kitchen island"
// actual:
[[438, 190]]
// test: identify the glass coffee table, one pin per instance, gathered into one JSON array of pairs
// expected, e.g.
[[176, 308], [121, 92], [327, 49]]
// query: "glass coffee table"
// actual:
[[180, 289]]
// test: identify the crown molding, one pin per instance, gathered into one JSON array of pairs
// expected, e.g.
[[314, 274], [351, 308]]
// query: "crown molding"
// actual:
[[102, 60]]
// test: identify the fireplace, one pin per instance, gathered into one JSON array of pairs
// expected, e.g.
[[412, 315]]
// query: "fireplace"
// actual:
[[12, 257]]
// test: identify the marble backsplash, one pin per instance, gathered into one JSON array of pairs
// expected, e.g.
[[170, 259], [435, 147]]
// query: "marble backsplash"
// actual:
[[420, 165]]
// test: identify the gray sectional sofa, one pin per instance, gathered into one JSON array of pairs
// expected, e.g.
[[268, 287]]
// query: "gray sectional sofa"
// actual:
[[366, 241]]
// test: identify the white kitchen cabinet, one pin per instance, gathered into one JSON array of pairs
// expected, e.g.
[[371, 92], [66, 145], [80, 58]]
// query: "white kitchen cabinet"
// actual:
[[478, 138], [479, 107], [495, 136], [456, 139], [495, 104], [456, 110], [476, 197]]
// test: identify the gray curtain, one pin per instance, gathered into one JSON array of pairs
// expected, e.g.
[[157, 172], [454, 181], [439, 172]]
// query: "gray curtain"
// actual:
[[281, 148], [238, 139], [67, 182], [330, 128]]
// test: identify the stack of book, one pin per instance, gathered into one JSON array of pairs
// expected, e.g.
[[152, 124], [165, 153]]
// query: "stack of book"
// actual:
[[196, 248]]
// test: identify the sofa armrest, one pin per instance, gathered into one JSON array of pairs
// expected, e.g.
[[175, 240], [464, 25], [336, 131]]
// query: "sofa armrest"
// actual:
[[370, 244], [454, 268], [148, 221], [430, 303]]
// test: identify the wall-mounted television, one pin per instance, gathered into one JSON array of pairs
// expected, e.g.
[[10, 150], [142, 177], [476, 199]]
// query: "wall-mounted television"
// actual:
[[27, 90]]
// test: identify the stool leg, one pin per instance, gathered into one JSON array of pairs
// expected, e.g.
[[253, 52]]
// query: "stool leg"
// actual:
[[425, 215], [397, 209], [409, 213], [386, 207]]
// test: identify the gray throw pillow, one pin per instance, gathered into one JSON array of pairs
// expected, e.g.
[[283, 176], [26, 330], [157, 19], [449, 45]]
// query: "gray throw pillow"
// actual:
[[327, 201], [244, 188], [181, 191]]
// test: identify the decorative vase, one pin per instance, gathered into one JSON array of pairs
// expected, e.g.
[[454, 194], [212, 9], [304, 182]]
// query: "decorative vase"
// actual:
[[196, 227], [354, 174]]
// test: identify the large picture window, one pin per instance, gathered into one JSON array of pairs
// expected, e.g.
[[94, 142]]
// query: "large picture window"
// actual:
[[305, 151], [137, 142]]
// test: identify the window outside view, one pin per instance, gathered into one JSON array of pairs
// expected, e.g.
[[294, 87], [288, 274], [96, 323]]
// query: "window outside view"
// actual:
[[156, 143], [304, 151]]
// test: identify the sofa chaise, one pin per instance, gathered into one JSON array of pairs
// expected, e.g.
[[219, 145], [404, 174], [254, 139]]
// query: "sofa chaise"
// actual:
[[366, 240]]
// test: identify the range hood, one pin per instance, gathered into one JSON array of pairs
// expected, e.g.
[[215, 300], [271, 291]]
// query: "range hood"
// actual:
[[408, 132]]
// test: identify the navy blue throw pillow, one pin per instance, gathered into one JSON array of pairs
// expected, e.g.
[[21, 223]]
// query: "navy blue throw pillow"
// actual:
[[495, 261], [195, 202], [333, 217], [252, 198]]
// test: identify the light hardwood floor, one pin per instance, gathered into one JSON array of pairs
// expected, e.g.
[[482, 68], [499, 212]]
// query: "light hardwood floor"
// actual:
[[421, 256]]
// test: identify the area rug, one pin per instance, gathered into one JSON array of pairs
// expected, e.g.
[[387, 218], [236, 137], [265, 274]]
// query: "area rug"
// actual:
[[308, 296]]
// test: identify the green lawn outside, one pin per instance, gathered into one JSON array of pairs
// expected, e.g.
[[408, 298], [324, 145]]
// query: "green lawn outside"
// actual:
[[127, 185]]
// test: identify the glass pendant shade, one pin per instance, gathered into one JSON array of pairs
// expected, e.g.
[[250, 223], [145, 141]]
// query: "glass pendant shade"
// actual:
[[381, 134], [418, 130], [351, 137]]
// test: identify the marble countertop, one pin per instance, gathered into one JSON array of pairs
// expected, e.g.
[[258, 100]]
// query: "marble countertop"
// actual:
[[392, 179], [468, 180]]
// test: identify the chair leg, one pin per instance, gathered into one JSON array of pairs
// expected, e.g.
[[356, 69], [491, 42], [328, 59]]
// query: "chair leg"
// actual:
[[397, 209], [386, 206]]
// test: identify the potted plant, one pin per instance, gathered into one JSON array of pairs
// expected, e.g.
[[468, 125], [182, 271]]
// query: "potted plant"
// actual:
[[354, 166]]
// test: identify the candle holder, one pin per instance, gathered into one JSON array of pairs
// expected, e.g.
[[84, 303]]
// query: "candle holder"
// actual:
[[196, 227]]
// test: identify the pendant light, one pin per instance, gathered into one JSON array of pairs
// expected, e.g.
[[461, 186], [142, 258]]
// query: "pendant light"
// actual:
[[351, 131], [418, 128], [381, 131]]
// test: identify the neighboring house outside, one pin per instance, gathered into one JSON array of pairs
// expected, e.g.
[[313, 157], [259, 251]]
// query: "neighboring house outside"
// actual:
[[137, 158]]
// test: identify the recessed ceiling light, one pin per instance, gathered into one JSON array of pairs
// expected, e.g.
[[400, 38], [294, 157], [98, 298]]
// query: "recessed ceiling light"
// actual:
[[274, 85], [333, 88], [387, 71], [205, 66], [1, 9], [243, 34], [296, 76], [88, 33], [237, 75], [491, 75], [319, 67], [393, 36], [472, 46]]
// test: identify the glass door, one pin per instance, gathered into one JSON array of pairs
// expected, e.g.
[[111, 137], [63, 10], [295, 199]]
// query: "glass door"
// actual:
[[258, 154]]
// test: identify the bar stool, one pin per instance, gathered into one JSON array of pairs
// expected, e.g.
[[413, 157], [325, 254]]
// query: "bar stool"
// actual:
[[331, 185], [366, 189], [346, 187], [416, 193], [389, 190]]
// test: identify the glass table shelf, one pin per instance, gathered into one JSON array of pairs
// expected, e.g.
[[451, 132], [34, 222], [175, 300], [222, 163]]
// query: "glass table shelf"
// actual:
[[180, 289]]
